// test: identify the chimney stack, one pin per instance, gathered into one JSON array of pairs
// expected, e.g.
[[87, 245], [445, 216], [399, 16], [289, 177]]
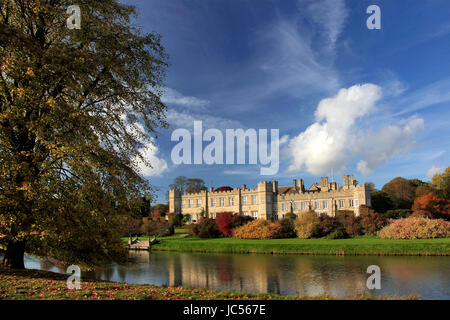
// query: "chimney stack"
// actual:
[[301, 185], [295, 184]]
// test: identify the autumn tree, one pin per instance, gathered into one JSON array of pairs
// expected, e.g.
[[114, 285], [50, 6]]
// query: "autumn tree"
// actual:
[[442, 182], [380, 201], [401, 191], [432, 206], [77, 106]]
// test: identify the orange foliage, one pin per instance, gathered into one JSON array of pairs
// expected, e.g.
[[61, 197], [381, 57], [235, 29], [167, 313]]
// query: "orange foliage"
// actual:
[[432, 206]]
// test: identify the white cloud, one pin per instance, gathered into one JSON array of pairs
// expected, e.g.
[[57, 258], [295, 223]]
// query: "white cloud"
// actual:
[[431, 95], [172, 96], [434, 170], [153, 165], [150, 164], [379, 147], [335, 139], [329, 16]]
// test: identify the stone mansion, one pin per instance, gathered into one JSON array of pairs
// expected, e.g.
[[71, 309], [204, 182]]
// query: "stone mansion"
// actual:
[[269, 201]]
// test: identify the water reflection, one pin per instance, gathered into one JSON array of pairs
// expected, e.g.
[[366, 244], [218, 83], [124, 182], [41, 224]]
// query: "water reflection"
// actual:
[[428, 277]]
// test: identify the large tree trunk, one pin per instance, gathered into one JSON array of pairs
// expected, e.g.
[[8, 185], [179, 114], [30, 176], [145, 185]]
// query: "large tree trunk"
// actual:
[[15, 252]]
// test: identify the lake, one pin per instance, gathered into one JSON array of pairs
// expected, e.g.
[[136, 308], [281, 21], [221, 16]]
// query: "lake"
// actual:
[[339, 276]]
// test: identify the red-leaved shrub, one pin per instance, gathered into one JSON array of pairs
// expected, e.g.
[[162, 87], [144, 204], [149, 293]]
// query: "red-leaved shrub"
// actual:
[[224, 221], [416, 228]]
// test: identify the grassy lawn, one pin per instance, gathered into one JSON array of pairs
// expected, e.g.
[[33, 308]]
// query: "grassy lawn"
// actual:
[[353, 246], [43, 285]]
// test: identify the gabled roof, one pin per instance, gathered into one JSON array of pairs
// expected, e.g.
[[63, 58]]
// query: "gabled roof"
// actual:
[[286, 190]]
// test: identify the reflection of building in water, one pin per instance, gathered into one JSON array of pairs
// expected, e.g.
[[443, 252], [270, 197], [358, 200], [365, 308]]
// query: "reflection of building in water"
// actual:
[[261, 274]]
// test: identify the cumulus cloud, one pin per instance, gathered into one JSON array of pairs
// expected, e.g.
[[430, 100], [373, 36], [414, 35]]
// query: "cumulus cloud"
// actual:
[[150, 164], [153, 164], [433, 171], [335, 139]]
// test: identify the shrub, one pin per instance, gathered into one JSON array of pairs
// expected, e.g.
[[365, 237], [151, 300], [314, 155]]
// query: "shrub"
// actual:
[[351, 224], [206, 228], [224, 221], [258, 229], [433, 206], [416, 228], [176, 219], [287, 228], [398, 214], [157, 228], [372, 222], [130, 227], [327, 224], [307, 225], [239, 221], [338, 233]]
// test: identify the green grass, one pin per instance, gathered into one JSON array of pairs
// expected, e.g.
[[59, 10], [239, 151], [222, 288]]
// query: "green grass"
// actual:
[[44, 285], [181, 231], [353, 246]]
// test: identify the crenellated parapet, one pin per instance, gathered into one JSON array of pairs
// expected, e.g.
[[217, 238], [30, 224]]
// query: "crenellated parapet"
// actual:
[[268, 200]]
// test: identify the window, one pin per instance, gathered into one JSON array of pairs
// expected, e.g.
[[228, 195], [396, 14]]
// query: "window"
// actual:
[[222, 202], [244, 200], [303, 206], [353, 203], [199, 203], [269, 198], [244, 213], [325, 204], [317, 205], [183, 203], [213, 202], [283, 207], [231, 201], [254, 200], [295, 205], [275, 217], [341, 203], [191, 203], [255, 214], [213, 215]]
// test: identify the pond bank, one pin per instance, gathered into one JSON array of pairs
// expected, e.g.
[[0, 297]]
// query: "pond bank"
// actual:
[[354, 246], [44, 285]]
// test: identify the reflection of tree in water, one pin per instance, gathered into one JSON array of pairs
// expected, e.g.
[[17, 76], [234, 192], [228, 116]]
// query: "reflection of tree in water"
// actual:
[[224, 271]]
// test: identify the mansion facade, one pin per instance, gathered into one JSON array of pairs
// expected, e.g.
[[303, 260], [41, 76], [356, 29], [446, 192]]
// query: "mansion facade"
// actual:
[[269, 201]]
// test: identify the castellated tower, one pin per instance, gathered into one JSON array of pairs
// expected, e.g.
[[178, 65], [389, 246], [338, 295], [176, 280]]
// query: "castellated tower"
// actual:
[[174, 201], [266, 199]]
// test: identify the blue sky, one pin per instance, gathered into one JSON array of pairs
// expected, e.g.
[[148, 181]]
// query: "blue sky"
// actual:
[[375, 103]]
